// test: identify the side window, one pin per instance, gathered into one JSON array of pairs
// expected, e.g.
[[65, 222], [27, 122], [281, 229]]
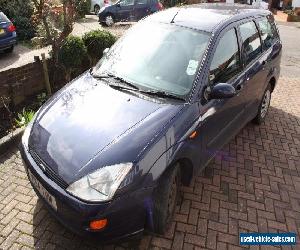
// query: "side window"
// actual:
[[126, 2], [268, 32], [251, 46], [226, 60], [141, 1]]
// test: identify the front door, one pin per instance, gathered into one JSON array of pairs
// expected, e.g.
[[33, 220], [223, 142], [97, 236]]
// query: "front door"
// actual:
[[125, 10], [222, 118]]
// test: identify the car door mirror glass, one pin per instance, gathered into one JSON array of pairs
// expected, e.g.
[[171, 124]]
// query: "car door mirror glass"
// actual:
[[221, 91]]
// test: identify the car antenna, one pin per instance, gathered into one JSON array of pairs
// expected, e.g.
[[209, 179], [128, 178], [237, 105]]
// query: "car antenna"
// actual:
[[172, 21]]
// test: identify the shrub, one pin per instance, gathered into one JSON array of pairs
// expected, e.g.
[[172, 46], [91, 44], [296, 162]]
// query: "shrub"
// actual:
[[96, 41], [20, 12], [83, 7], [24, 118], [72, 54], [25, 29]]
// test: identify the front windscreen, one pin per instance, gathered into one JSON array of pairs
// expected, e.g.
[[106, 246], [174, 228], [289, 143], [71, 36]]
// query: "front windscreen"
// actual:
[[157, 56]]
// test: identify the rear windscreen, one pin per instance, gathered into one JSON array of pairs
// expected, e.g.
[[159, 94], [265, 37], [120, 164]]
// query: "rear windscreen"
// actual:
[[3, 18]]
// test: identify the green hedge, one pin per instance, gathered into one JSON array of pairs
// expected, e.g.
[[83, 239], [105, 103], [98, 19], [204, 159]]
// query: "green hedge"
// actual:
[[20, 12], [96, 41], [83, 7], [72, 54]]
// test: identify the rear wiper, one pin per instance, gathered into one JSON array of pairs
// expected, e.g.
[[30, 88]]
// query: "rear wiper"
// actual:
[[118, 78], [162, 94]]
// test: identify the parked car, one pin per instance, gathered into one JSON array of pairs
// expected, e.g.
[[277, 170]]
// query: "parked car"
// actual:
[[263, 4], [96, 5], [108, 153], [8, 35], [128, 10]]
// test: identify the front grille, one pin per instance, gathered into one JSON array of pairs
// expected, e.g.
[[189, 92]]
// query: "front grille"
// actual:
[[48, 171]]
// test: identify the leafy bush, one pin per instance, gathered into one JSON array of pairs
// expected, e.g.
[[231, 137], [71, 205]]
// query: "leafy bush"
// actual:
[[83, 7], [20, 12], [25, 29], [96, 41], [24, 118], [72, 54]]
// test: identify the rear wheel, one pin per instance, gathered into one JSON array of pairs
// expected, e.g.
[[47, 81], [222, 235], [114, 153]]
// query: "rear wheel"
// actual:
[[264, 106], [166, 197], [10, 50]]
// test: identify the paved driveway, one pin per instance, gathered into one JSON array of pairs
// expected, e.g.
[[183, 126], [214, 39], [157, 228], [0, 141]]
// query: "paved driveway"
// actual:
[[253, 185]]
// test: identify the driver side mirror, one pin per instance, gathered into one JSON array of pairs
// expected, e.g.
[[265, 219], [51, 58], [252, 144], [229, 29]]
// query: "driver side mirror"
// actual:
[[118, 5], [220, 91]]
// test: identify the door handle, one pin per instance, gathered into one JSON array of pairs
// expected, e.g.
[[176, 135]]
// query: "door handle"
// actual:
[[263, 64]]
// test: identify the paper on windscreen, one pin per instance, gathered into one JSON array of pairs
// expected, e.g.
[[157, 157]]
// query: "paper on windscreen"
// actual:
[[192, 67]]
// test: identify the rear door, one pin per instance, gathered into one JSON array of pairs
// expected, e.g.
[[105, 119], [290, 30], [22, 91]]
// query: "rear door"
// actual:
[[254, 63], [271, 48], [141, 9]]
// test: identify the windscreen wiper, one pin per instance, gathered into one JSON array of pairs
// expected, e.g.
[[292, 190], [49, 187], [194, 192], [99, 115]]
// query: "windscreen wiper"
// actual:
[[118, 78], [162, 94]]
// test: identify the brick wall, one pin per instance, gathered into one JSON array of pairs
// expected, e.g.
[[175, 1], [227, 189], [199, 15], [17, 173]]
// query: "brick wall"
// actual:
[[20, 83]]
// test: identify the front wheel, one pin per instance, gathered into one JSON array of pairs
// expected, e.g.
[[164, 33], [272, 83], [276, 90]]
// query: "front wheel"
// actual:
[[264, 106], [165, 200], [109, 20]]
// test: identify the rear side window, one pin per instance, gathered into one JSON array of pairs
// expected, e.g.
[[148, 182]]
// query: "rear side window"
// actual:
[[126, 2], [141, 1], [251, 46], [226, 60], [268, 32]]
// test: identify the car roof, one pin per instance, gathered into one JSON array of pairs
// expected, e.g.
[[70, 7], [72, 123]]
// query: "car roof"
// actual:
[[208, 16]]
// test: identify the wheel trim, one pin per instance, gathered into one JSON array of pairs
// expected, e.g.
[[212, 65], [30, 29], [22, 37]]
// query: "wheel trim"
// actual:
[[109, 20], [96, 10], [265, 104]]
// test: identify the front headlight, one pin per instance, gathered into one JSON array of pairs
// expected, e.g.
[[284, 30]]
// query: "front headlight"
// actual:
[[100, 185]]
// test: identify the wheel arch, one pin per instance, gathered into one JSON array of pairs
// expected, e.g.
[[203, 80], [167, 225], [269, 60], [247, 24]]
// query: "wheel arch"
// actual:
[[272, 81], [186, 169]]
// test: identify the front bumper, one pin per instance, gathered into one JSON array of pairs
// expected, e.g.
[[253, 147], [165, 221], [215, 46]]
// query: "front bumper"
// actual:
[[101, 17], [126, 214]]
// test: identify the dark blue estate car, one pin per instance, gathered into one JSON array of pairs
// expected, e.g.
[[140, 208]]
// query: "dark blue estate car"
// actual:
[[8, 36], [108, 152], [128, 10]]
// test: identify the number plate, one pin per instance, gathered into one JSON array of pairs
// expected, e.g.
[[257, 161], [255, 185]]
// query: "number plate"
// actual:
[[47, 196], [2, 31]]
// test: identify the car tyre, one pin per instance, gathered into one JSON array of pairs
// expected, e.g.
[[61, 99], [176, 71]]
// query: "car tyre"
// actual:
[[264, 106], [10, 50], [166, 198], [109, 20], [96, 9]]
